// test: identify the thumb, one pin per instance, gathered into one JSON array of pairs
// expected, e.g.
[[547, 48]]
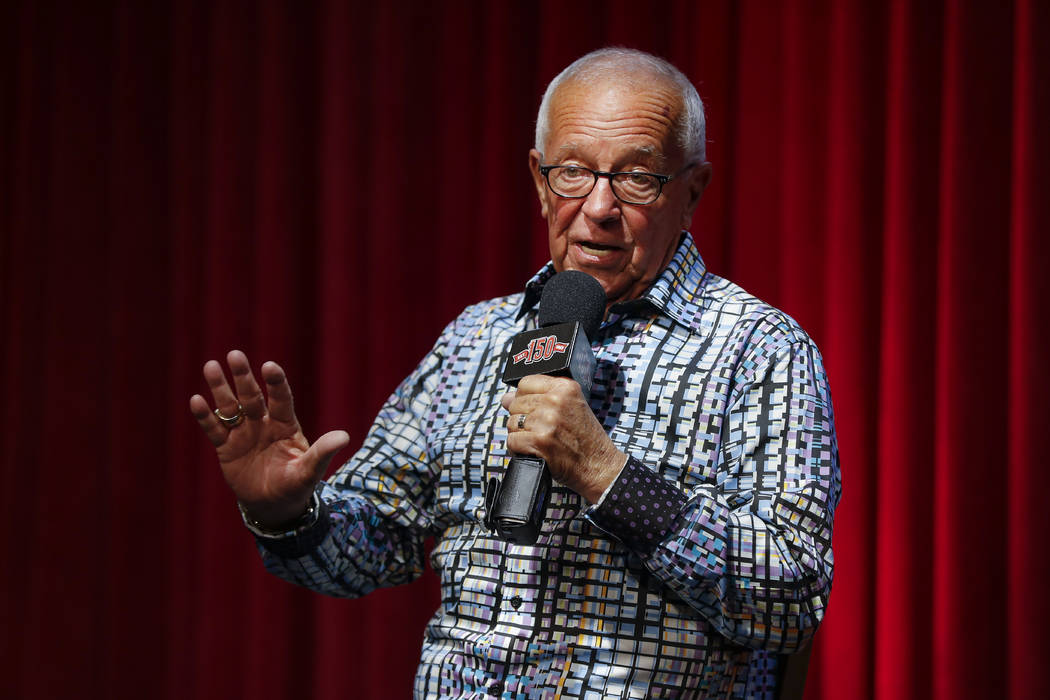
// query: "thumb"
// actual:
[[324, 448]]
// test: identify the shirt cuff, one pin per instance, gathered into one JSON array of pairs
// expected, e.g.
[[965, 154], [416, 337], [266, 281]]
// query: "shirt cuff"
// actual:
[[639, 507]]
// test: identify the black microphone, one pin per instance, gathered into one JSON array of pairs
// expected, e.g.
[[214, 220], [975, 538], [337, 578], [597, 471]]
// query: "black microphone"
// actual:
[[571, 309]]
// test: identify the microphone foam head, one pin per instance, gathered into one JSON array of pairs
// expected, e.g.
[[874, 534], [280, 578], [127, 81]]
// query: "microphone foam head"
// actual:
[[573, 296]]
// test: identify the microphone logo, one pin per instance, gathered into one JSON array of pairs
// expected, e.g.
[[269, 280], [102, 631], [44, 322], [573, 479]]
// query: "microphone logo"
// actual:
[[540, 349]]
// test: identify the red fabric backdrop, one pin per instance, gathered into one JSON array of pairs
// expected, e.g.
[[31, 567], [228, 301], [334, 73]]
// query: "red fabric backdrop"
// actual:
[[327, 184]]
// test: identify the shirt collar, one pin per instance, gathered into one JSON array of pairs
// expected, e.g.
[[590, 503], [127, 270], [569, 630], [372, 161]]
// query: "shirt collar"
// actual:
[[674, 293]]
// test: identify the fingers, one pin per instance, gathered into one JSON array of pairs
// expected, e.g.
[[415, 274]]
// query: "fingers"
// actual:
[[213, 430], [244, 396], [525, 400], [507, 399], [281, 406], [221, 393], [518, 411], [542, 383], [225, 400], [527, 403], [516, 422], [533, 388], [532, 416], [249, 394], [538, 391], [548, 417]]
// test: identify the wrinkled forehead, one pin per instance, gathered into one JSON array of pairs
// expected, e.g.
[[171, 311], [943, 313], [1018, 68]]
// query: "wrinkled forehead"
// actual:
[[645, 110]]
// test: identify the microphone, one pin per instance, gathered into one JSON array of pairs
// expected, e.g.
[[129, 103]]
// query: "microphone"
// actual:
[[571, 309]]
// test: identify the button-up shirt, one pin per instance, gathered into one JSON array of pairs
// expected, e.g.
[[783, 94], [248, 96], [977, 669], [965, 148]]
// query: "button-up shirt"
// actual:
[[707, 557]]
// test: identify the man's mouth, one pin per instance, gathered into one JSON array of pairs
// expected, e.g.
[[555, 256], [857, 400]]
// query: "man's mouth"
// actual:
[[598, 250]]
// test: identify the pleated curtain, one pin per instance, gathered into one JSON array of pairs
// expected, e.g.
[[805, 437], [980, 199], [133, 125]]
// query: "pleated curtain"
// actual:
[[328, 184]]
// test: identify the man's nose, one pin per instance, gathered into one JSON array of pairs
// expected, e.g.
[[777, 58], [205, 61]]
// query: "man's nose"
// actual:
[[601, 204]]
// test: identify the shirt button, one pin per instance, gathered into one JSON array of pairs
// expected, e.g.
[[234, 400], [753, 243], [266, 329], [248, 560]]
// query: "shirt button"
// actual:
[[516, 601], [495, 689]]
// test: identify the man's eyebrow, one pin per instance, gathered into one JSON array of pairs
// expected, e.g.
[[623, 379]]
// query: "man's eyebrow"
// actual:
[[651, 153]]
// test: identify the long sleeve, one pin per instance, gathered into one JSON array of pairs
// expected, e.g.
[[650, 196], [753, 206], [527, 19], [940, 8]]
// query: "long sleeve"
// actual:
[[375, 510], [722, 405], [752, 551]]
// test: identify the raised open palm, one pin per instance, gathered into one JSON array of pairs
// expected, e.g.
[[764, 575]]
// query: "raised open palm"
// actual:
[[264, 456]]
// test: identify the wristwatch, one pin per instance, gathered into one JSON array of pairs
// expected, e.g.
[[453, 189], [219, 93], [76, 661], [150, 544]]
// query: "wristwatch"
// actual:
[[295, 527]]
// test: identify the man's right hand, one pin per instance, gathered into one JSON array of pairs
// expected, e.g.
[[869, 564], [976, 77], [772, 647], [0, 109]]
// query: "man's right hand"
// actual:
[[266, 459]]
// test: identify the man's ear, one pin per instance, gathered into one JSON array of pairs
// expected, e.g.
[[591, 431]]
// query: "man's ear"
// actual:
[[699, 179], [535, 158]]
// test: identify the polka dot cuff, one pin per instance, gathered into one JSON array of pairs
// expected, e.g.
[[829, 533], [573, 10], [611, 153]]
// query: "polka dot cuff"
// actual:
[[640, 508]]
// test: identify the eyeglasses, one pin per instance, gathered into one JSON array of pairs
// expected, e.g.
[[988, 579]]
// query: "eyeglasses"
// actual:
[[576, 182]]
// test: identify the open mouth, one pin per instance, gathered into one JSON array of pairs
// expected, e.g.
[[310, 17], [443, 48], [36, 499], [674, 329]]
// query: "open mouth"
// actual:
[[597, 249]]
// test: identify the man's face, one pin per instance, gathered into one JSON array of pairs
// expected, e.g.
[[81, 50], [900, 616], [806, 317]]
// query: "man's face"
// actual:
[[611, 127]]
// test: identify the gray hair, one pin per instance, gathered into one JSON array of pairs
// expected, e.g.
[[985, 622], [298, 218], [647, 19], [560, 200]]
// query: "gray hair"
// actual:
[[616, 62]]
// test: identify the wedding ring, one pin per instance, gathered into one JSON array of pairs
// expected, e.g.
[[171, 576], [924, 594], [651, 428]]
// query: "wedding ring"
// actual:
[[231, 421]]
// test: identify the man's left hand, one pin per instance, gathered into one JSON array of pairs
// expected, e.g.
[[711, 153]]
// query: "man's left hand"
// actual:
[[560, 427]]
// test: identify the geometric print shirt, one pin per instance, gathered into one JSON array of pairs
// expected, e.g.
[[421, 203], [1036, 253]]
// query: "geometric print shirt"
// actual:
[[706, 558]]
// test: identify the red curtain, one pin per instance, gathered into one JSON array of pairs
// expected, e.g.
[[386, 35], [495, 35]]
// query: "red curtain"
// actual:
[[327, 184]]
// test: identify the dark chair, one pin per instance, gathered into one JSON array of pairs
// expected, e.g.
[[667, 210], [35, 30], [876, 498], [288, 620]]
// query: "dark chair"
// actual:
[[791, 674]]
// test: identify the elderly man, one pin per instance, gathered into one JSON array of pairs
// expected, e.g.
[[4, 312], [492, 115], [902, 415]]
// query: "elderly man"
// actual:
[[687, 543]]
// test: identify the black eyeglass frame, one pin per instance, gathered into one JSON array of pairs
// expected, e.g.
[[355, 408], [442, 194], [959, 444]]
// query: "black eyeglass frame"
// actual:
[[662, 179]]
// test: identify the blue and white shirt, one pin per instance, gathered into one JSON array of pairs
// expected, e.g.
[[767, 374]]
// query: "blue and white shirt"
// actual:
[[708, 556]]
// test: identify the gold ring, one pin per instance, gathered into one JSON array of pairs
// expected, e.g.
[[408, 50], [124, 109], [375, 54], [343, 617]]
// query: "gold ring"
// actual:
[[521, 421], [231, 421]]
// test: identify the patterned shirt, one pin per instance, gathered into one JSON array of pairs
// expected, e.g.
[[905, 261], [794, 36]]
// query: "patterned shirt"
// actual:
[[708, 556]]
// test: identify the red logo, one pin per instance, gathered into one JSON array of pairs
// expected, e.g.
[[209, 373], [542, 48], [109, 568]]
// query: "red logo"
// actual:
[[540, 349]]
